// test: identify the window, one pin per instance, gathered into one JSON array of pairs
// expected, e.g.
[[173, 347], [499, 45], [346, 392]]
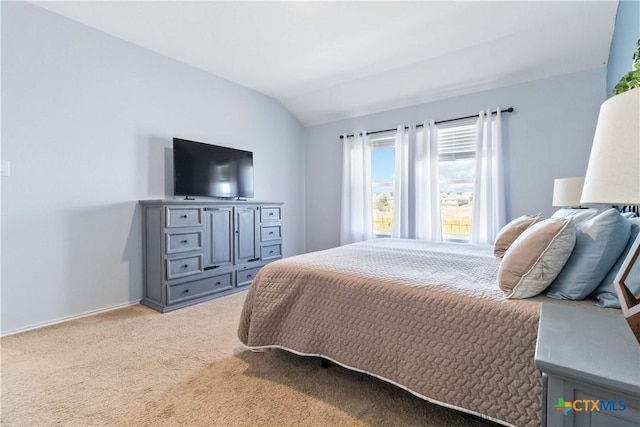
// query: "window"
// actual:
[[383, 160], [457, 167], [456, 146]]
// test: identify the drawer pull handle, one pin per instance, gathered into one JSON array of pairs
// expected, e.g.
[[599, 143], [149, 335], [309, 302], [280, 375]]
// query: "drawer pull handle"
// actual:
[[184, 242], [186, 291], [218, 283], [271, 232], [248, 275], [270, 213], [183, 216], [270, 252], [185, 266]]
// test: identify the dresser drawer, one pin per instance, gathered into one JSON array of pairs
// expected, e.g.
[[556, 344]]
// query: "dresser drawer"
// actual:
[[270, 233], [182, 242], [198, 288], [245, 277], [184, 217], [270, 214], [271, 251], [180, 267]]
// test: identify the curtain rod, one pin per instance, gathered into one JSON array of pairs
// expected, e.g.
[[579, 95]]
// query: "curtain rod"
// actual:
[[508, 110]]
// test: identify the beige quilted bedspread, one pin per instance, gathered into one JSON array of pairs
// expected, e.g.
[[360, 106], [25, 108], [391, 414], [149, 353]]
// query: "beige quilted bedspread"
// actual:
[[427, 316]]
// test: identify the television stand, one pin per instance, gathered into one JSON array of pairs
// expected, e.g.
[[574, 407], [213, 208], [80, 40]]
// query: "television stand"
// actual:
[[193, 252]]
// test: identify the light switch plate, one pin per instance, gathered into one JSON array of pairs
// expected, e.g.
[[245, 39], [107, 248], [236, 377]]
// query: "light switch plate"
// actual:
[[5, 168]]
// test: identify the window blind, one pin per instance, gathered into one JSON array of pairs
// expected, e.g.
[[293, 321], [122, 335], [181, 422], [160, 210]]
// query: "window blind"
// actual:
[[386, 140], [457, 140]]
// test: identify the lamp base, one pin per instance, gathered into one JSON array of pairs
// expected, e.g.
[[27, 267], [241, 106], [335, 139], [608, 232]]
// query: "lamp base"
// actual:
[[629, 302]]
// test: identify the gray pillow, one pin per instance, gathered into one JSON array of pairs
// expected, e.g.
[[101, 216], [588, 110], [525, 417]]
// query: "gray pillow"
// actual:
[[606, 293], [536, 257], [599, 243]]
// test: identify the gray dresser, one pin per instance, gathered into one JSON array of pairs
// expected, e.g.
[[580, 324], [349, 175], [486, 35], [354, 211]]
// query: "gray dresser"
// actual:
[[590, 362], [195, 250]]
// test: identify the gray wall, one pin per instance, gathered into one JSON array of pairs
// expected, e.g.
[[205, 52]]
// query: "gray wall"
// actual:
[[87, 125], [548, 136], [623, 44]]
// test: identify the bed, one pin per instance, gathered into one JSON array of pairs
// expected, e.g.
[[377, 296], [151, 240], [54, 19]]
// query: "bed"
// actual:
[[426, 316]]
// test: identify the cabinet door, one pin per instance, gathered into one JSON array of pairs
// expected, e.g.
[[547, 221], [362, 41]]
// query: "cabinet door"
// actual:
[[247, 241], [219, 237]]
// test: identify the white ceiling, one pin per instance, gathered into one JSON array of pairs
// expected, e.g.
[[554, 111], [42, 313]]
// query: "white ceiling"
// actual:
[[332, 60]]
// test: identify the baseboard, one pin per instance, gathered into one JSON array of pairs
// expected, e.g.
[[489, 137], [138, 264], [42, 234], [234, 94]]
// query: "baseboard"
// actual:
[[69, 318]]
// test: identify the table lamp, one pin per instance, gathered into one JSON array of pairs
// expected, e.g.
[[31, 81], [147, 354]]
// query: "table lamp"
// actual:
[[613, 178], [567, 192]]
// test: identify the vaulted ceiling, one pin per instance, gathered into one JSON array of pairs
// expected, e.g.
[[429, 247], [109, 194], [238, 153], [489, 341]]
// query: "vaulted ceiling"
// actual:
[[326, 61]]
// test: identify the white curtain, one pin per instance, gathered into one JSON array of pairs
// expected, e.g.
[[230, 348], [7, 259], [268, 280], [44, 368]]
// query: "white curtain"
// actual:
[[489, 214], [356, 216], [428, 195], [403, 225], [416, 205]]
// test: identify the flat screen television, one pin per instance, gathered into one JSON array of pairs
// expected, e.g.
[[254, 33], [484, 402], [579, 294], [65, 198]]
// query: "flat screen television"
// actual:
[[210, 170]]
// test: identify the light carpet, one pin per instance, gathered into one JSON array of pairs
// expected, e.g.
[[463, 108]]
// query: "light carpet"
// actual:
[[134, 366]]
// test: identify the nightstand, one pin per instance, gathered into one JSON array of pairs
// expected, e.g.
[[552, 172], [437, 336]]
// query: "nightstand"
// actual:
[[590, 364]]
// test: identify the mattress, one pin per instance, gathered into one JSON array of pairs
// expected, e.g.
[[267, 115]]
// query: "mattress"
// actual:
[[427, 316]]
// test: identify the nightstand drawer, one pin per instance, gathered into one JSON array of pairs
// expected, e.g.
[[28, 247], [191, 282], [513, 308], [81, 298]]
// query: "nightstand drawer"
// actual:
[[180, 267], [181, 242], [270, 214], [271, 252], [245, 277], [270, 233], [184, 217], [198, 288]]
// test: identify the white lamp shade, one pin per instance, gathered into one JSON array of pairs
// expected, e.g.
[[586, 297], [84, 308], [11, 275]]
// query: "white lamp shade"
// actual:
[[567, 191], [613, 172]]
